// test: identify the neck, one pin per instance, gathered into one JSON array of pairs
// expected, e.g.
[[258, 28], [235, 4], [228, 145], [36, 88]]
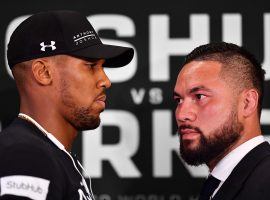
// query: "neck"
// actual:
[[211, 164], [244, 138], [64, 132]]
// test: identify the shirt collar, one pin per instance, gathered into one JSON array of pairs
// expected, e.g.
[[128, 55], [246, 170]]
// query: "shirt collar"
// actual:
[[49, 135], [224, 167]]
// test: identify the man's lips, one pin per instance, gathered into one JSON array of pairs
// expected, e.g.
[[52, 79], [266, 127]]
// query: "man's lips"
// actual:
[[188, 133], [101, 100]]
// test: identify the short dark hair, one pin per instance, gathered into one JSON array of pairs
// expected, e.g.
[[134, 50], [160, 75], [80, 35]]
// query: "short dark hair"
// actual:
[[244, 69]]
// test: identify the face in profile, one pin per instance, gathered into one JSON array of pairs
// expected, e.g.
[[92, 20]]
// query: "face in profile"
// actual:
[[206, 113], [81, 88]]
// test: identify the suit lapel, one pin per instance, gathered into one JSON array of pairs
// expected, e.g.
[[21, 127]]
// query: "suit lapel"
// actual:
[[241, 172]]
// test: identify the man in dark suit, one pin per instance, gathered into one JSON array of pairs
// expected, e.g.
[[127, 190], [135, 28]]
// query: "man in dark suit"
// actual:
[[219, 94]]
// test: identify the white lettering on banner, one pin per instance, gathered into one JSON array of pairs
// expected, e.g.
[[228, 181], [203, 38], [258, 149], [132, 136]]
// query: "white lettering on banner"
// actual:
[[119, 155], [265, 117], [162, 46], [232, 22], [11, 27], [124, 27], [24, 186], [155, 96], [266, 62], [164, 144], [137, 95]]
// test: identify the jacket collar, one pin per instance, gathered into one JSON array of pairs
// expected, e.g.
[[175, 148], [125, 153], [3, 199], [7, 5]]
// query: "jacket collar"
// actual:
[[236, 180]]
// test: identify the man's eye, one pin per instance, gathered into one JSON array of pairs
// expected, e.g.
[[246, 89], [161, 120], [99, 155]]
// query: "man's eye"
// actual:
[[200, 96], [91, 65], [178, 100]]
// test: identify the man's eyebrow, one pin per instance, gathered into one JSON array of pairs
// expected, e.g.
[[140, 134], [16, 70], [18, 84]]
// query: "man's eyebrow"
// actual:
[[192, 90], [176, 94], [196, 89]]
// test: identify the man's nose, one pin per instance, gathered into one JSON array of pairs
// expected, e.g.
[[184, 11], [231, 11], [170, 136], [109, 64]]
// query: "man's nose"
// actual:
[[185, 112], [104, 81]]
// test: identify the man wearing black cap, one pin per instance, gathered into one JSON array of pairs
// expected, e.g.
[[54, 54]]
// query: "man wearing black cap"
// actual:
[[57, 61]]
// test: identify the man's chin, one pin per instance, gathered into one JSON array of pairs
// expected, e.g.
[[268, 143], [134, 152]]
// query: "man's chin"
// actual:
[[190, 152], [191, 157], [190, 144], [92, 124]]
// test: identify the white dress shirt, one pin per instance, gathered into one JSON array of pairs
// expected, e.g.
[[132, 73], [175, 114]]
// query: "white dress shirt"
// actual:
[[226, 165]]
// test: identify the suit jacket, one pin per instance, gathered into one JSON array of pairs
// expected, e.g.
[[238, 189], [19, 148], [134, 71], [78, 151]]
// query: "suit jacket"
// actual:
[[250, 179]]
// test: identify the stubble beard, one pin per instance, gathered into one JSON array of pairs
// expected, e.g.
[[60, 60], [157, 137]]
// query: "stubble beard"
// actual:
[[83, 120], [79, 117], [215, 146]]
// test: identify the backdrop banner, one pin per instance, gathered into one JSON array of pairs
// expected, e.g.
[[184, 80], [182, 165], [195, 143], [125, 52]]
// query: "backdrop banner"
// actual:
[[134, 154]]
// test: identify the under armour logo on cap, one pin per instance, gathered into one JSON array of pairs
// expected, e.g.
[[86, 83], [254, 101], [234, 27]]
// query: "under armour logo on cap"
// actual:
[[43, 46]]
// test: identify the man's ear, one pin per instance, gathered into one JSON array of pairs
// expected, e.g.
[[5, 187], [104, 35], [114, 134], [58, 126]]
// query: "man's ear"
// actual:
[[42, 71], [250, 100]]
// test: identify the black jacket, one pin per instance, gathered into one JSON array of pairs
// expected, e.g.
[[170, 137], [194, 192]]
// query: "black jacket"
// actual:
[[33, 167], [250, 179]]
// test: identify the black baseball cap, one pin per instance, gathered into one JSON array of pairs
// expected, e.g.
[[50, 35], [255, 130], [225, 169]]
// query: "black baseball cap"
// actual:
[[62, 32]]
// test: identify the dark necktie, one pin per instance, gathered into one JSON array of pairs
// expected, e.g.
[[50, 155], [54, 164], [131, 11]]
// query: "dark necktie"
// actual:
[[209, 187]]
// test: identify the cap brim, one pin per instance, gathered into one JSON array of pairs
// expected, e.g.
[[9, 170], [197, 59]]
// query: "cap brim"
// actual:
[[115, 56]]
